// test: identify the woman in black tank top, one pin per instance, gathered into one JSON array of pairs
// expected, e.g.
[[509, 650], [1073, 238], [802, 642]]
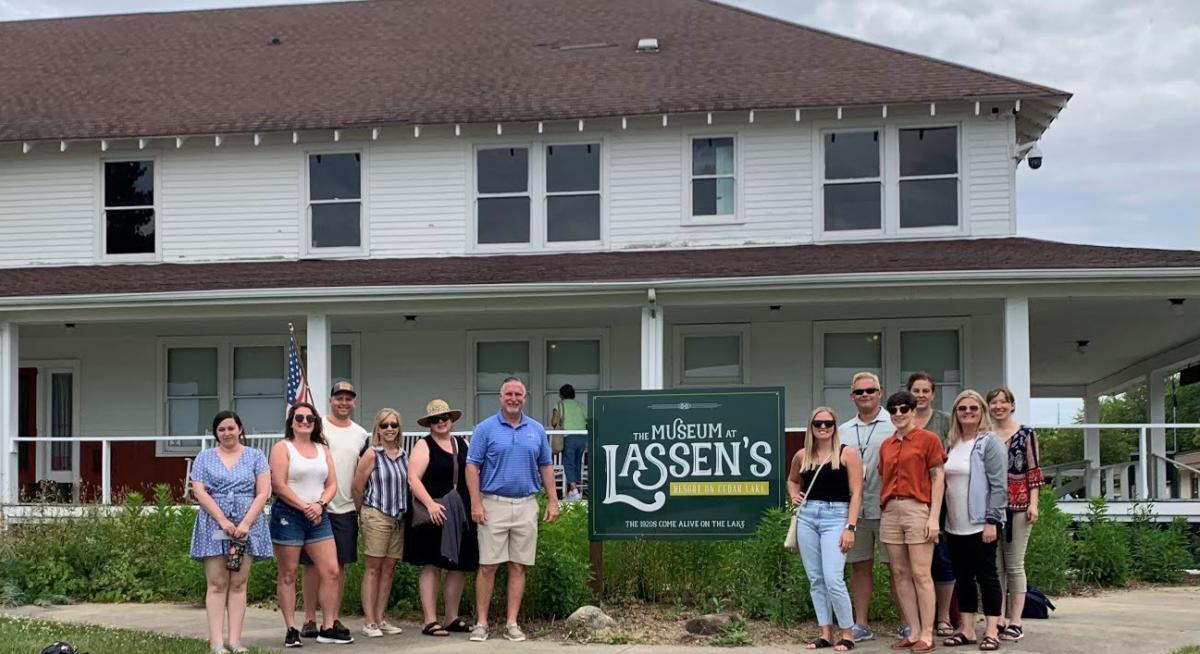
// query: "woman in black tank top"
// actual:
[[825, 483]]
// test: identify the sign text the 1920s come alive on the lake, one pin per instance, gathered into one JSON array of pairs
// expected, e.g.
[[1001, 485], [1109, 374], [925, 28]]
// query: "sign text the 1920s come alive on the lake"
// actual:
[[684, 464]]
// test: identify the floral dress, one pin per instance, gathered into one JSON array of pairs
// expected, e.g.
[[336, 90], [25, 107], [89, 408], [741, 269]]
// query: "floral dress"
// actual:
[[233, 491]]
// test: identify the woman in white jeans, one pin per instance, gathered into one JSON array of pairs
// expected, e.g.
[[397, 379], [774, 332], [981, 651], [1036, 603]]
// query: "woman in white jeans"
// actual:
[[826, 481]]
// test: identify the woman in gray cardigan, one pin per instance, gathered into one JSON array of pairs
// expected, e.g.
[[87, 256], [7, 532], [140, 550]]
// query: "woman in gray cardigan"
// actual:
[[976, 497]]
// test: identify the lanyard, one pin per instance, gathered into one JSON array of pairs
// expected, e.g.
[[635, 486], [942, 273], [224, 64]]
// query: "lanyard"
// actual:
[[862, 449]]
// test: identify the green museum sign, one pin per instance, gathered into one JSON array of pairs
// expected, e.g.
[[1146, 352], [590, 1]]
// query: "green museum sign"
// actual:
[[684, 464]]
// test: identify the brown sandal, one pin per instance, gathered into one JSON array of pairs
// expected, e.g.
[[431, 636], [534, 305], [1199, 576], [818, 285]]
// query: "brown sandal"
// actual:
[[943, 629], [989, 644]]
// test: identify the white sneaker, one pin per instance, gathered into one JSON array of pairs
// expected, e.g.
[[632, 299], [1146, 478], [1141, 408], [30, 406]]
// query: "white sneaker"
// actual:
[[479, 632], [574, 495], [514, 633], [372, 630], [389, 629]]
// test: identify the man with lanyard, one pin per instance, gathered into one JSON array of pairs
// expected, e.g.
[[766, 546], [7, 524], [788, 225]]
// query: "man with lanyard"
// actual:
[[866, 431], [507, 464], [347, 441]]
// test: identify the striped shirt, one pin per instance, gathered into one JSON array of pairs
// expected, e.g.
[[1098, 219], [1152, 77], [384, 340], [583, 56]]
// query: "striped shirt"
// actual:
[[387, 488], [509, 457]]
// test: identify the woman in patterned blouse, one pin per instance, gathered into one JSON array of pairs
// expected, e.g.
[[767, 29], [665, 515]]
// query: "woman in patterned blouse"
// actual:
[[1024, 480]]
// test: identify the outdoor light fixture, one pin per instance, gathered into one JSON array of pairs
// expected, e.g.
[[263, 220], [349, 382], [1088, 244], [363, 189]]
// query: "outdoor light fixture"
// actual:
[[1081, 345], [1177, 305]]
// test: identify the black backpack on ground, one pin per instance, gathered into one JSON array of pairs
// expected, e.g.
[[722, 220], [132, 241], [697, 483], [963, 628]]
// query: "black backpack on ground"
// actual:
[[1037, 605]]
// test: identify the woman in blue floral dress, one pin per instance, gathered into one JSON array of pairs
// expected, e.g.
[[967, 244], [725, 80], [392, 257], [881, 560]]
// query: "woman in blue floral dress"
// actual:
[[231, 483]]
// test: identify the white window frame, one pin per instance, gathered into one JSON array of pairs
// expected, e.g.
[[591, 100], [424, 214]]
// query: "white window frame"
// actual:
[[537, 338], [306, 203], [536, 189], [225, 346], [102, 222], [686, 147], [890, 330], [957, 176], [681, 332], [889, 171]]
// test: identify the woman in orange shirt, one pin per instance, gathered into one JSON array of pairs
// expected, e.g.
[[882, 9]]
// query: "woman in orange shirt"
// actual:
[[910, 470]]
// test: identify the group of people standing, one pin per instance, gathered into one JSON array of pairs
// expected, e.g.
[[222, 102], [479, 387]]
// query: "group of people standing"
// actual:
[[948, 497], [447, 506]]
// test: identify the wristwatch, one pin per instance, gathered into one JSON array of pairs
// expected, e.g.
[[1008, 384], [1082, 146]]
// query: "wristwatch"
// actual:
[[851, 527]]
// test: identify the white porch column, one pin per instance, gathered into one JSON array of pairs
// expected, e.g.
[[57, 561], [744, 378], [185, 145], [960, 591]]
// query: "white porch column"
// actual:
[[652, 347], [1156, 402], [1016, 353], [318, 340], [1091, 444], [9, 424]]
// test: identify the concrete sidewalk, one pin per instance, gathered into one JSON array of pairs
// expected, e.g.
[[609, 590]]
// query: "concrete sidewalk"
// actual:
[[1151, 621]]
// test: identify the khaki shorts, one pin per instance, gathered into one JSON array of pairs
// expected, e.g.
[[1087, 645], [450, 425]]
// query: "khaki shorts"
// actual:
[[383, 535], [511, 530], [904, 521], [866, 536]]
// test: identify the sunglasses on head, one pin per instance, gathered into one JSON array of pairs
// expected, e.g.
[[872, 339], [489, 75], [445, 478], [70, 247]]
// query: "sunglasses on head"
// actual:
[[864, 391], [389, 425], [301, 418], [968, 408], [441, 418], [899, 409], [824, 424]]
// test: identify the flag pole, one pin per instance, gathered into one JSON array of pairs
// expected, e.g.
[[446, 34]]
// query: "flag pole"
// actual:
[[303, 366]]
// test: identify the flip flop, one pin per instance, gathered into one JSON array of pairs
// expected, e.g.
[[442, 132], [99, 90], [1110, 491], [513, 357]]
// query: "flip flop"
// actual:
[[435, 629]]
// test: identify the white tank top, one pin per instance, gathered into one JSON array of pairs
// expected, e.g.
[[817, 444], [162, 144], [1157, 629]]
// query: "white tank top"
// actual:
[[306, 477]]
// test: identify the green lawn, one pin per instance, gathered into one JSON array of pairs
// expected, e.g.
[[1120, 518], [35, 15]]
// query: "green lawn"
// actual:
[[22, 636], [1190, 649]]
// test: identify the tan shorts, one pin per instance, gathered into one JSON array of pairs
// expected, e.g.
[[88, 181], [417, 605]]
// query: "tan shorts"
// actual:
[[383, 535], [866, 537], [904, 521], [511, 530]]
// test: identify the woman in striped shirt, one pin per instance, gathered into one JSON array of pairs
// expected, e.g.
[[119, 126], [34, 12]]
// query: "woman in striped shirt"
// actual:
[[380, 492]]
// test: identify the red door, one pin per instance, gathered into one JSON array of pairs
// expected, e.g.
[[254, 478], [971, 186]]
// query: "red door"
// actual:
[[27, 426]]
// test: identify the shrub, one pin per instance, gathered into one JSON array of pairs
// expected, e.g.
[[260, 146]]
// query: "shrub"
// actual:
[[1102, 553], [772, 583], [1159, 553], [1048, 555]]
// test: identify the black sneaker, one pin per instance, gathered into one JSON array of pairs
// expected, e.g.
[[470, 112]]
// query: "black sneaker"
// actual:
[[292, 639], [309, 630], [335, 636], [338, 626]]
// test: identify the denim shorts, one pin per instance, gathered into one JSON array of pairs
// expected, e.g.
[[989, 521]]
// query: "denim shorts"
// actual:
[[290, 527], [942, 568]]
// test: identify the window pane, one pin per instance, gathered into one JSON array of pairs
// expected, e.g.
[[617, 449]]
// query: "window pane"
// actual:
[[504, 220], [572, 362], [709, 357], [129, 231], [498, 360], [193, 417], [573, 218], [336, 225], [929, 151], [258, 371], [838, 399], [937, 353], [853, 206], [191, 371], [260, 415], [334, 177], [851, 155], [846, 354], [929, 203], [712, 197], [340, 364], [128, 183], [502, 170], [486, 404], [712, 156], [572, 168]]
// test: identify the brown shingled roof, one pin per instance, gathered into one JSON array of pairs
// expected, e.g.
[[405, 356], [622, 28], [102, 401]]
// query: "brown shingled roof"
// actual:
[[1004, 254], [451, 61]]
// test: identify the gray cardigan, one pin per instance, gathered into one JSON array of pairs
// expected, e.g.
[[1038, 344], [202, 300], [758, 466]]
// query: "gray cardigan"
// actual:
[[987, 494]]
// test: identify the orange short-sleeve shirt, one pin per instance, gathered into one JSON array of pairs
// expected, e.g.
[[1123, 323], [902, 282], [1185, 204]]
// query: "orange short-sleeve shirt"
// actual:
[[904, 465]]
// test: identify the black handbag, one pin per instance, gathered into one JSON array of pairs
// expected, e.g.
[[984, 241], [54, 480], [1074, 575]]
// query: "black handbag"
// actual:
[[420, 514]]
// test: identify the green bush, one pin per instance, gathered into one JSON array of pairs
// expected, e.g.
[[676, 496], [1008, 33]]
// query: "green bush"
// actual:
[[1048, 555], [1102, 552], [1159, 552], [772, 582]]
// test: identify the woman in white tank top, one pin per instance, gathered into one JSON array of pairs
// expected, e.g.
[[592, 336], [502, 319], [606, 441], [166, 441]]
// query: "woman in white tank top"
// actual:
[[303, 480]]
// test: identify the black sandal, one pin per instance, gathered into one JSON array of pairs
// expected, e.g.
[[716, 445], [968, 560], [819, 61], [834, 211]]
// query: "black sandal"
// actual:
[[819, 643], [435, 629], [943, 629], [957, 640], [459, 626], [1012, 632], [989, 644], [845, 644]]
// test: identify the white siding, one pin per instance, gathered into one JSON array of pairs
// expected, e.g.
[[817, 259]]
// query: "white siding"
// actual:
[[645, 199], [419, 198], [989, 197], [48, 208]]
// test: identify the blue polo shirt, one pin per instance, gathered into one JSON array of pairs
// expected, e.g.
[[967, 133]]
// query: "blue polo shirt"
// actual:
[[509, 457]]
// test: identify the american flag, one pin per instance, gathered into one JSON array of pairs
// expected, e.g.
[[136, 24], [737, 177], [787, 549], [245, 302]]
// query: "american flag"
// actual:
[[297, 390]]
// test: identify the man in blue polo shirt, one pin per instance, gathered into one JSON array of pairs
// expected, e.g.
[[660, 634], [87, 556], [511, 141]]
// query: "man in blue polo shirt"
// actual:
[[507, 464]]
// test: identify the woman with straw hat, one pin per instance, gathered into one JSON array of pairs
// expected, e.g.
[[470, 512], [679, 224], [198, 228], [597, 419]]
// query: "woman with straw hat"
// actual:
[[439, 534]]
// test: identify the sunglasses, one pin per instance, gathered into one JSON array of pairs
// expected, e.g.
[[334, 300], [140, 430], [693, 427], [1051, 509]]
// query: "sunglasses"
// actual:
[[300, 419], [824, 424], [864, 391], [900, 410], [389, 425], [965, 408], [437, 419]]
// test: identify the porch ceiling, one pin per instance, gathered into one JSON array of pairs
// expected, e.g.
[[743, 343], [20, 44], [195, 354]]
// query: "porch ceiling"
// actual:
[[1121, 332]]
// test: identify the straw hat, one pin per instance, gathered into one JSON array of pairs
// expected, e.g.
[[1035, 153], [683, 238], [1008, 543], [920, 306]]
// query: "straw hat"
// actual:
[[437, 408]]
